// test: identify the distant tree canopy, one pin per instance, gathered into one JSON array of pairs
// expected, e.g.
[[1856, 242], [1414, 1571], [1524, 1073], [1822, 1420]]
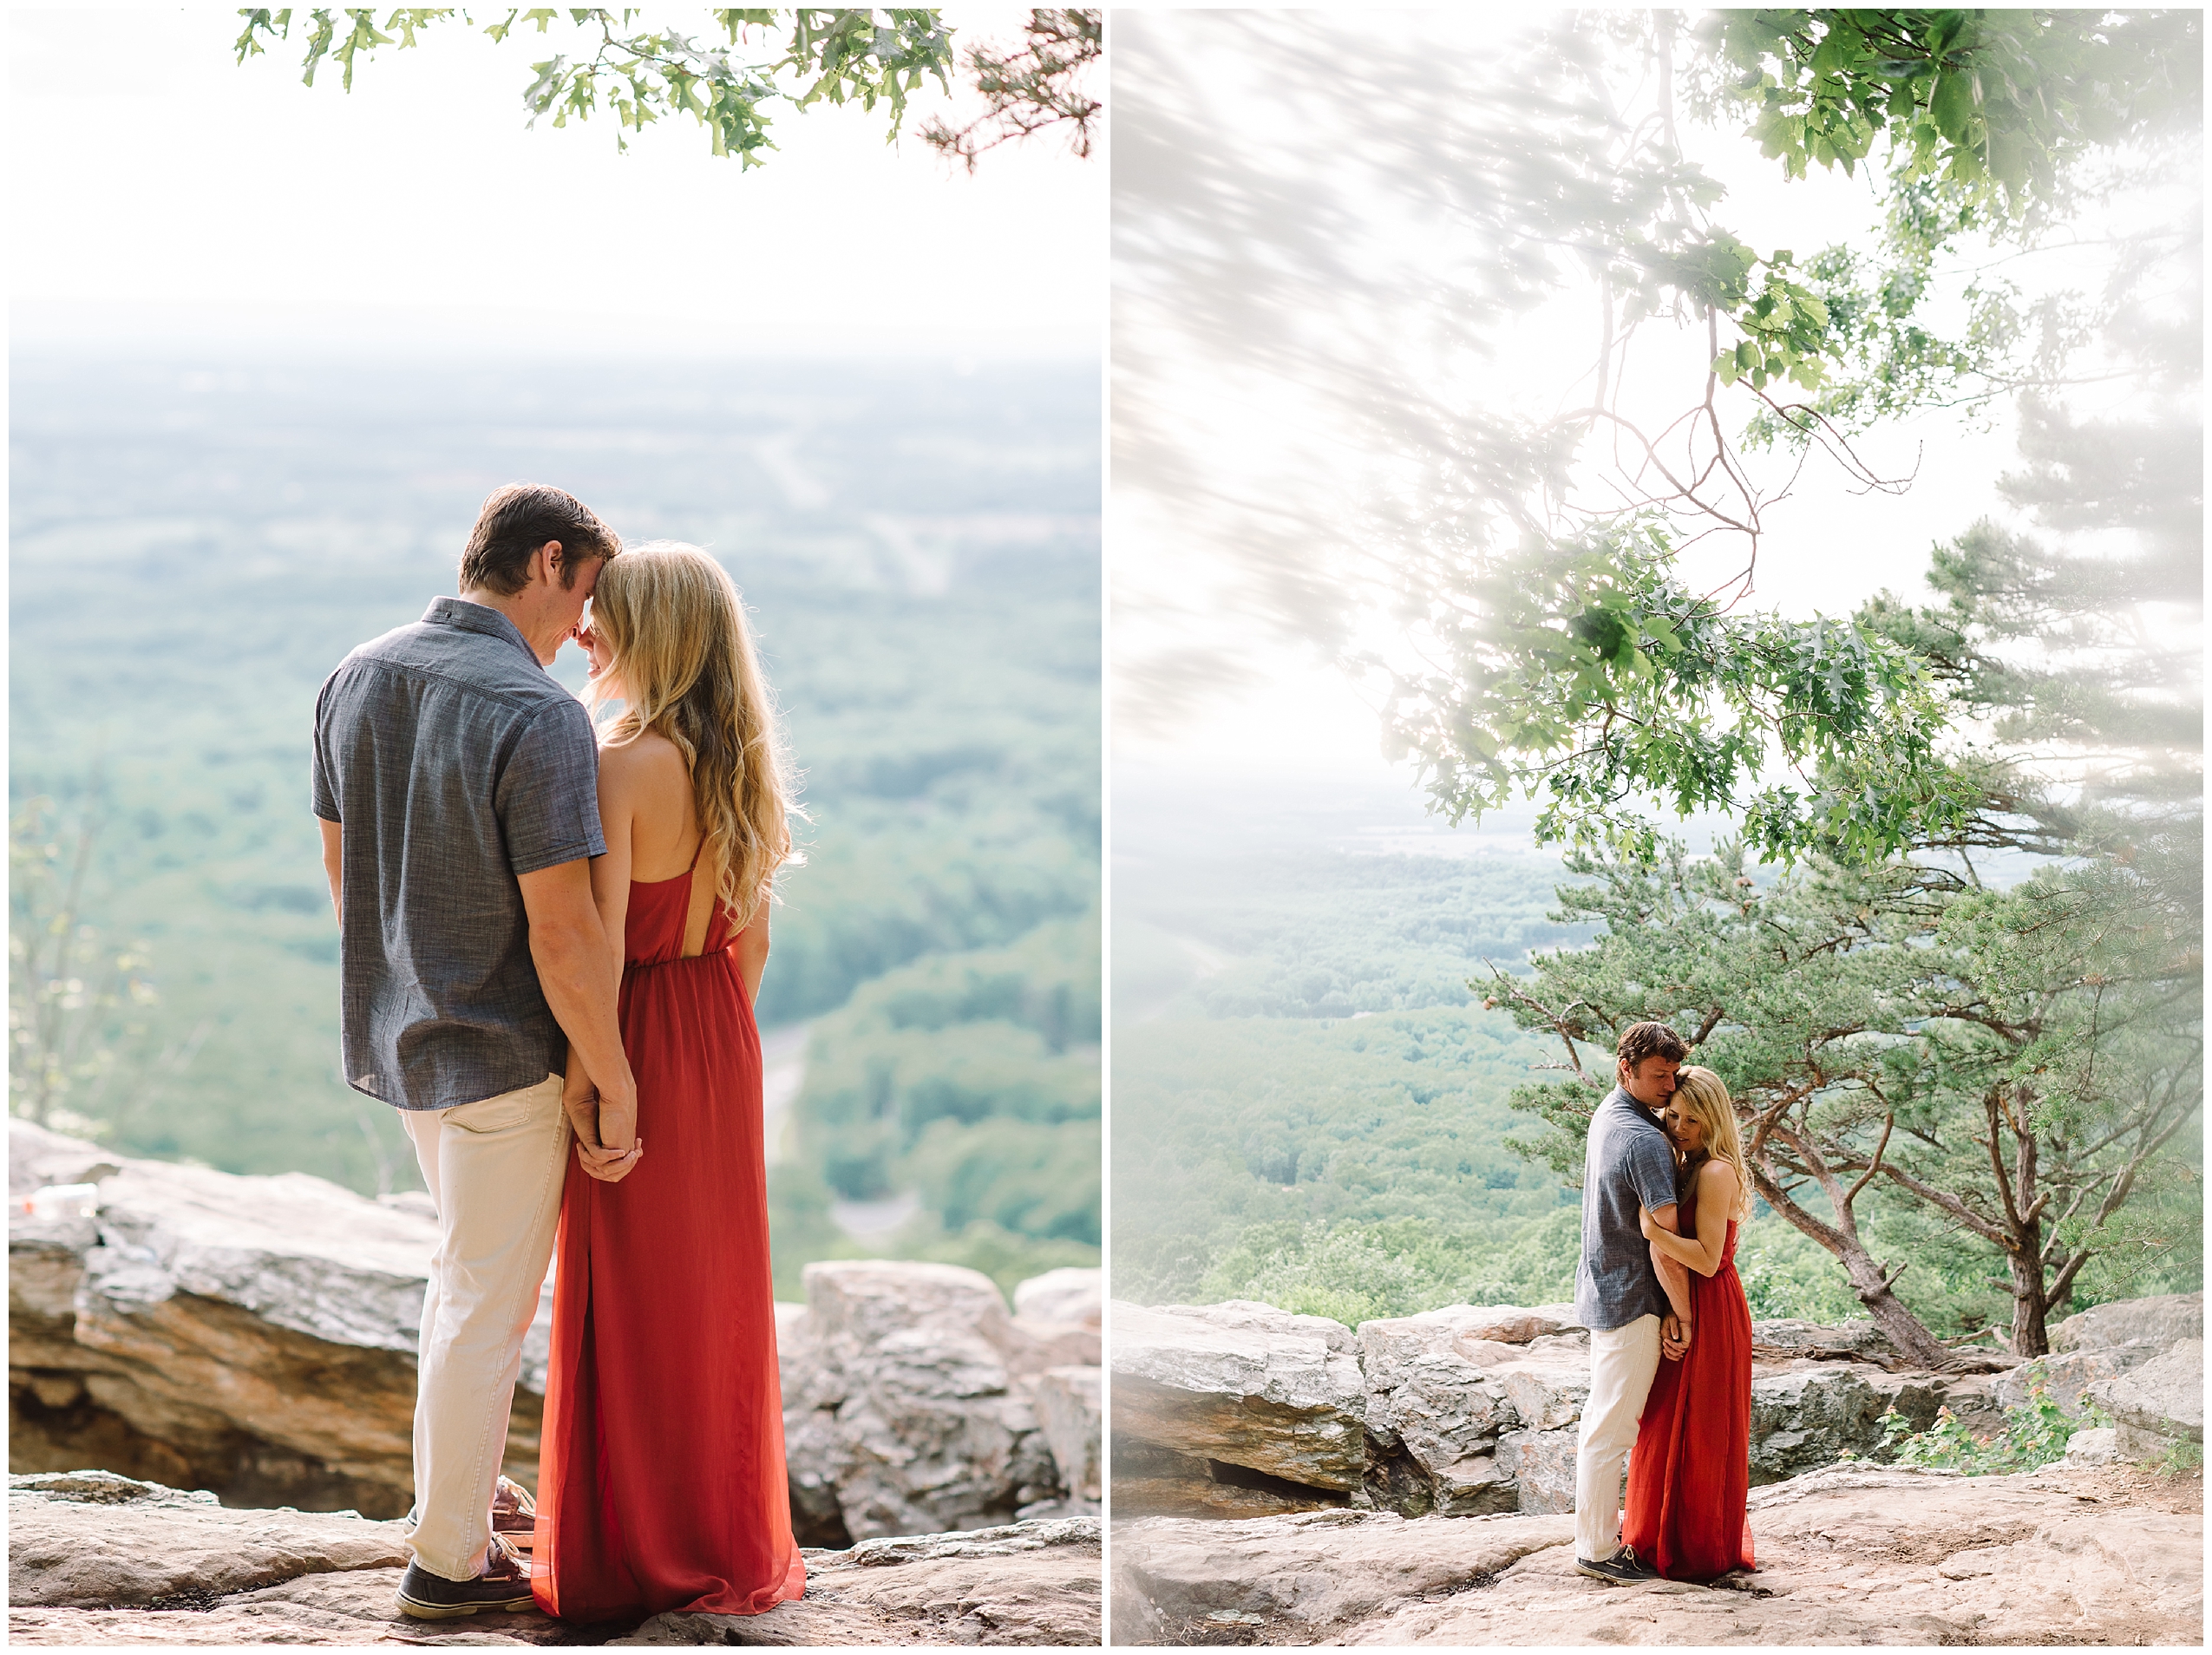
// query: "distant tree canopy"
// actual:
[[800, 57]]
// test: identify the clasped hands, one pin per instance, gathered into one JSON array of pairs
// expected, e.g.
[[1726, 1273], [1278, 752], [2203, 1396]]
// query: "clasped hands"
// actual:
[[582, 1104]]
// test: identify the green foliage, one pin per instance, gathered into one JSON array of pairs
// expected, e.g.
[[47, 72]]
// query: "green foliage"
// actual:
[[836, 56], [1344, 1274], [1588, 675], [1993, 126], [1786, 1273], [1995, 106], [1571, 670], [1353, 1271], [2034, 1435], [2182, 1458]]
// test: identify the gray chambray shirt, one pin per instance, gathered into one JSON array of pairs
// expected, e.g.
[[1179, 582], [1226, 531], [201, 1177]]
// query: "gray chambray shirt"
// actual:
[[1628, 1162], [455, 766]]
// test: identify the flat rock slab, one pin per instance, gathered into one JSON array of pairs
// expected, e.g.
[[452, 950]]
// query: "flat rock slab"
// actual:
[[84, 1546], [92, 1539], [1847, 1557], [1040, 1582], [352, 1610]]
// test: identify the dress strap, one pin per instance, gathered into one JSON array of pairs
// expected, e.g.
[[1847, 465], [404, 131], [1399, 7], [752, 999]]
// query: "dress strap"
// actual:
[[695, 854]]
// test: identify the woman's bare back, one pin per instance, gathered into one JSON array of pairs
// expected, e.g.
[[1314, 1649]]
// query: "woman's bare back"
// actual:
[[649, 776]]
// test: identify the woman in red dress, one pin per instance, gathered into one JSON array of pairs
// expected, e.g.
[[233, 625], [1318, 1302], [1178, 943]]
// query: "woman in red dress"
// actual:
[[661, 1478], [1690, 1471]]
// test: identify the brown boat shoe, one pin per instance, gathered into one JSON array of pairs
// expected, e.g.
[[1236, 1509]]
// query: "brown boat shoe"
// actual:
[[514, 1513]]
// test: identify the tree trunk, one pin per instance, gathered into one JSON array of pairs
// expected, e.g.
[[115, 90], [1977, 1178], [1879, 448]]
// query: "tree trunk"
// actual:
[[2031, 1311], [2024, 1246], [1905, 1330]]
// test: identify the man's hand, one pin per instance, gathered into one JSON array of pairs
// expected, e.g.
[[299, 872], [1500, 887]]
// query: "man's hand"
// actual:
[[1674, 1337], [608, 1166]]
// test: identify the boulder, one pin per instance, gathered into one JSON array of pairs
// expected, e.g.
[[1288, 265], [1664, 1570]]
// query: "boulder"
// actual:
[[2099, 1446], [1069, 1411], [902, 1407], [1432, 1403], [1057, 1321], [2158, 1405], [1802, 1420], [2065, 1377], [2160, 1321], [1539, 1466], [1824, 1341], [1068, 1295], [251, 1335], [82, 1544], [1245, 1384], [1847, 1555], [1446, 1393], [1475, 1410]]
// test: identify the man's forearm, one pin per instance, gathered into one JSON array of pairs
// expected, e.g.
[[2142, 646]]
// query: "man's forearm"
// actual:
[[1675, 1280], [571, 969]]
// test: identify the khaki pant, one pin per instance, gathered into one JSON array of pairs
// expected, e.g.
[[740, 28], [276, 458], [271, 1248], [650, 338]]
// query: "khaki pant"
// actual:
[[1623, 1362], [494, 1169]]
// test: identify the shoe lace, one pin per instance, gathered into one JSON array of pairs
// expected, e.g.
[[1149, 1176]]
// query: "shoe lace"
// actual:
[[503, 1553]]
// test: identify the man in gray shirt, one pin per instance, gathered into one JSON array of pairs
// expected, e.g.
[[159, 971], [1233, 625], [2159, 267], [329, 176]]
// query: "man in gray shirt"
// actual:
[[1629, 1164], [457, 786]]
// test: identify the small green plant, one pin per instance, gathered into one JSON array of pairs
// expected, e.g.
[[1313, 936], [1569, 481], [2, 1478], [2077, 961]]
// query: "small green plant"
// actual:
[[2184, 1459], [2034, 1434]]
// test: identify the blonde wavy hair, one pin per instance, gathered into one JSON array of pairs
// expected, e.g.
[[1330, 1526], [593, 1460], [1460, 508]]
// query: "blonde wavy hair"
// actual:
[[1701, 1095], [684, 658]]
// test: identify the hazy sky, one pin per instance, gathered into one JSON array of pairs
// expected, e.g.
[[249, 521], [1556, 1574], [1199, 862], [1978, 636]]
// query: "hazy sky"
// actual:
[[179, 196]]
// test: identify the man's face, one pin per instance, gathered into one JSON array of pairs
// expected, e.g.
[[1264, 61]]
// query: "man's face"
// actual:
[[1651, 1083], [568, 602]]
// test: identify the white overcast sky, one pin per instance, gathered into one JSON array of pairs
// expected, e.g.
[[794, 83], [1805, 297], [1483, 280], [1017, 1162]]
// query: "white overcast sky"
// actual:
[[159, 193]]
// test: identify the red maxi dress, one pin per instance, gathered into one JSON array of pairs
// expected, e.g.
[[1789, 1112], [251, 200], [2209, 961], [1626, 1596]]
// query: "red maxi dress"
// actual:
[[661, 1480], [1691, 1472]]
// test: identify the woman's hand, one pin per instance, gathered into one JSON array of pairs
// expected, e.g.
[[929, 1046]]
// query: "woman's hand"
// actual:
[[581, 1104], [1644, 1223]]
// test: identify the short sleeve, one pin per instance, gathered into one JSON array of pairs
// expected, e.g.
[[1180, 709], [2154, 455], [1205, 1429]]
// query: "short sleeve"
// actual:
[[547, 795], [325, 792], [1650, 1170]]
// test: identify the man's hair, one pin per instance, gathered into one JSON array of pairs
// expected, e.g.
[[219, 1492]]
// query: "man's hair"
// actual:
[[1642, 1040], [519, 519]]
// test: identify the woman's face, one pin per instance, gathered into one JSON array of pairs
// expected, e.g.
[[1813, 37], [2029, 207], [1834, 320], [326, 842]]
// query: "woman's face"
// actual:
[[602, 654], [1687, 1131]]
